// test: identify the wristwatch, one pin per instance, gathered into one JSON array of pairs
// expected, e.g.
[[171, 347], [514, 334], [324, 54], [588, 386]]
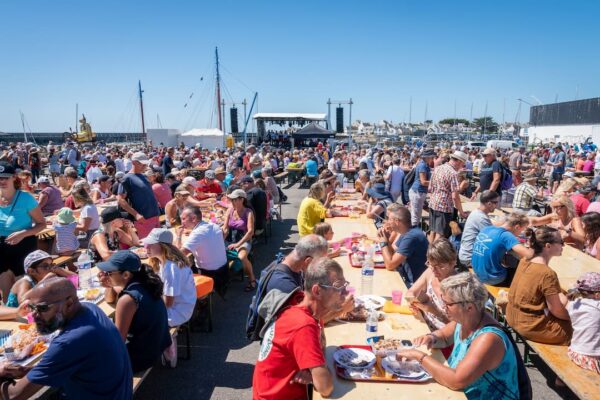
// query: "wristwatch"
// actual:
[[383, 244]]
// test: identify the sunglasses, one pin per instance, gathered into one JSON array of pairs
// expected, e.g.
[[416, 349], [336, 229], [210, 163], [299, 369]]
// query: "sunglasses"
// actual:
[[340, 289], [44, 307], [44, 265]]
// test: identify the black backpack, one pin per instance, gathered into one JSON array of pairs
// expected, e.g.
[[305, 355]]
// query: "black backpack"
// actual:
[[254, 322], [525, 390], [409, 179]]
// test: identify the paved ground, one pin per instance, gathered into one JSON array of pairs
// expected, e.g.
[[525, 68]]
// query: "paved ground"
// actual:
[[222, 362]]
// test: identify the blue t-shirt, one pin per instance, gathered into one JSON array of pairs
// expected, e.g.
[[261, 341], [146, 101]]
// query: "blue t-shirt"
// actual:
[[88, 359], [486, 176], [140, 195], [491, 245], [311, 168], [167, 164], [413, 245], [284, 279], [421, 167], [15, 216]]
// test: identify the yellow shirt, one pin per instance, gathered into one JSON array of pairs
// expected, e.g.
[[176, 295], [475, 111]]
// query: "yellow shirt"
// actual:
[[311, 212]]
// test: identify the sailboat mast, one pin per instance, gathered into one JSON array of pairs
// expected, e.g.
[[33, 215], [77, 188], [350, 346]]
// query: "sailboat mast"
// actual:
[[218, 90], [142, 108], [23, 125]]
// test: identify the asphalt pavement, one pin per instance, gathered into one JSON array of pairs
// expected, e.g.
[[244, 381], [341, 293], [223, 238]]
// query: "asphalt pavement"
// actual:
[[222, 361]]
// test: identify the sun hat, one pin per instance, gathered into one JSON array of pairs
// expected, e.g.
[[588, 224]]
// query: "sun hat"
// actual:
[[65, 216], [140, 157], [489, 151], [236, 194], [123, 260], [378, 191], [174, 171], [209, 174], [459, 155], [589, 282], [190, 180], [6, 169], [109, 214], [34, 257], [182, 189], [220, 170], [158, 235]]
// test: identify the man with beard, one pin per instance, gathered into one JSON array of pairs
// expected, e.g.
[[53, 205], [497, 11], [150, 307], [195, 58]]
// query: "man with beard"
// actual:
[[86, 360]]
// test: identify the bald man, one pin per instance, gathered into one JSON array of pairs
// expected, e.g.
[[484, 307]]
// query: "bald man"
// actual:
[[87, 360]]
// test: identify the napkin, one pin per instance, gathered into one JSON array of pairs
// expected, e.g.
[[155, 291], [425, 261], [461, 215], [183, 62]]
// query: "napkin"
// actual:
[[390, 307]]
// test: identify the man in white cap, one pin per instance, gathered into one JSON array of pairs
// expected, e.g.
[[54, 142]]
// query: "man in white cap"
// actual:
[[490, 174], [445, 195], [137, 198]]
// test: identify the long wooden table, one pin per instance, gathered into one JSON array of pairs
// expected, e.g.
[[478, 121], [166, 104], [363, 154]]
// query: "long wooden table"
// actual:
[[571, 265], [394, 325]]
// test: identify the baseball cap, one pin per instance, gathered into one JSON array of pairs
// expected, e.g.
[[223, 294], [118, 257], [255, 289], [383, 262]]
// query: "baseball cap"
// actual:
[[119, 175], [182, 188], [123, 260], [158, 235], [587, 189], [428, 153], [104, 178], [140, 157], [65, 216], [109, 214], [174, 171], [6, 169], [236, 194], [247, 179], [210, 174], [34, 257], [190, 180], [43, 179], [489, 151]]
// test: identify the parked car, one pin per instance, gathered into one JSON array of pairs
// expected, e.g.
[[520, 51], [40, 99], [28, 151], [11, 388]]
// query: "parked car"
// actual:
[[502, 144]]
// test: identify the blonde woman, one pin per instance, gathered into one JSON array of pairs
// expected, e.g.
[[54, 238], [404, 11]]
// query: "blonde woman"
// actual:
[[312, 210], [89, 219], [168, 262], [563, 218]]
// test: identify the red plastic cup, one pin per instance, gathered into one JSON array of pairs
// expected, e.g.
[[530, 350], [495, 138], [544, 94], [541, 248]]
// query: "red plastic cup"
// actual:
[[397, 296]]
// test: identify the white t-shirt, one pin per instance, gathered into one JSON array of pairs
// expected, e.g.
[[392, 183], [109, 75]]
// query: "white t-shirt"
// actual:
[[93, 173], [179, 283], [396, 177], [585, 318], [207, 244], [90, 211]]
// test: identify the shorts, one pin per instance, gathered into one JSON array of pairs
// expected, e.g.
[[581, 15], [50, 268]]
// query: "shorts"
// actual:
[[54, 169], [439, 222], [247, 246], [13, 256], [557, 176]]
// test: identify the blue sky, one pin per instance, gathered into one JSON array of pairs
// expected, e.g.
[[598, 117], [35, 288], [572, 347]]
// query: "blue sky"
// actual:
[[295, 54]]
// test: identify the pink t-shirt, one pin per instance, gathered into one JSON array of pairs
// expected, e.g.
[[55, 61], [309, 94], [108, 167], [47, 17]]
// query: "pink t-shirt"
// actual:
[[588, 166], [581, 204], [162, 192]]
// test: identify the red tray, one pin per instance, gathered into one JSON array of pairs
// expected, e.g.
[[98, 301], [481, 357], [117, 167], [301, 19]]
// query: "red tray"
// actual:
[[377, 265], [380, 377]]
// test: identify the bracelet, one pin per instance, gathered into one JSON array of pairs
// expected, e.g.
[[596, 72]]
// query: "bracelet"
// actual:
[[435, 338], [422, 358]]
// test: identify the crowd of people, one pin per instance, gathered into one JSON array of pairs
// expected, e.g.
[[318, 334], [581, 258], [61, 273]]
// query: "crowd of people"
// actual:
[[106, 200]]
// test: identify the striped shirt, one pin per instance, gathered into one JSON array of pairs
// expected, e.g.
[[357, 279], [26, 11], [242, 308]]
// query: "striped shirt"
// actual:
[[66, 240], [444, 181]]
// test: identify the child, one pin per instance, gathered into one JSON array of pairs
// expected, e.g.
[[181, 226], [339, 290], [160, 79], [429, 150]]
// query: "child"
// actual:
[[324, 229], [585, 317], [66, 240]]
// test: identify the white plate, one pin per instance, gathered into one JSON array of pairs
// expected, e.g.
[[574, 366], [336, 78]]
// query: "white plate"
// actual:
[[354, 358], [404, 369], [370, 301]]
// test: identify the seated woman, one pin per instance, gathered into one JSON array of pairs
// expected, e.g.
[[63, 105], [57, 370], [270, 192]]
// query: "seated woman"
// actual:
[[379, 200], [483, 363], [591, 227], [563, 218], [360, 184], [312, 210], [140, 313], [492, 244], [536, 305], [102, 191], [426, 293], [115, 233], [88, 215], [325, 230], [37, 266], [175, 206], [238, 230]]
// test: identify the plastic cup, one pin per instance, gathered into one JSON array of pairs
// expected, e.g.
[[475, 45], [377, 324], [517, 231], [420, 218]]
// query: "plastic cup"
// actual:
[[348, 243], [75, 280], [397, 296], [30, 318], [351, 290], [335, 246]]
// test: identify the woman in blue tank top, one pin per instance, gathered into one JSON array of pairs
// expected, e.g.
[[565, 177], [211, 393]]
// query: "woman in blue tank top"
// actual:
[[483, 362]]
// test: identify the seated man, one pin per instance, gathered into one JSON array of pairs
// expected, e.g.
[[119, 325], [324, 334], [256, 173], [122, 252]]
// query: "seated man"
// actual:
[[257, 198], [209, 184], [525, 194], [477, 220], [581, 200], [411, 246], [292, 353], [88, 358]]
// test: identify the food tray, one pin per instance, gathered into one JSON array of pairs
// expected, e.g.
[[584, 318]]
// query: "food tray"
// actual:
[[378, 371], [376, 265]]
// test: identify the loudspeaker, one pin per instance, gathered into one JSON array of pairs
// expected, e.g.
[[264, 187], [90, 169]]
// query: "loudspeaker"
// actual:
[[233, 117], [339, 118]]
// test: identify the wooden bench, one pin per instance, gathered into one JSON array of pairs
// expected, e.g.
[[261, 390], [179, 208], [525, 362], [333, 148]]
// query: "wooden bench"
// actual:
[[65, 261], [584, 383], [281, 176], [139, 377]]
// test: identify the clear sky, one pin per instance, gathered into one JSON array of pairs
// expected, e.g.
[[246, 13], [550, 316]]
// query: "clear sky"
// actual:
[[57, 53]]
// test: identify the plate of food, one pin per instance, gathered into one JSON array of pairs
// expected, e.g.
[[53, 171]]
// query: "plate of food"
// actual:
[[141, 252], [370, 301], [354, 358], [360, 313], [24, 342], [390, 346], [411, 370], [92, 295]]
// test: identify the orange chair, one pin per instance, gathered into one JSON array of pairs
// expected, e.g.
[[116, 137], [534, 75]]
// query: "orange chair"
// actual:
[[204, 291]]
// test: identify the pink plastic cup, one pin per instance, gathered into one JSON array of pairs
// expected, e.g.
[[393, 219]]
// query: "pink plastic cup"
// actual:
[[30, 318], [351, 290], [75, 280], [335, 246], [397, 296], [348, 243]]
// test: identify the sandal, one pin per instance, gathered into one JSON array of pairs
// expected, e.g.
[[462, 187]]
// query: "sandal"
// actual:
[[250, 286]]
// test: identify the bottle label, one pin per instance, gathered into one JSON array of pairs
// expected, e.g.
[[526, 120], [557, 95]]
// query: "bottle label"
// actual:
[[367, 272], [371, 328]]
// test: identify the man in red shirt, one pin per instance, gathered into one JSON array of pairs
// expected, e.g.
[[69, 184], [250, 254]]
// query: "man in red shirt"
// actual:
[[292, 353], [581, 199], [209, 184]]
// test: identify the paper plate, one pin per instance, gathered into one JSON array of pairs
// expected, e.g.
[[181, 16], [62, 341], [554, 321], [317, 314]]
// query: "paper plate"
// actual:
[[354, 358], [371, 301]]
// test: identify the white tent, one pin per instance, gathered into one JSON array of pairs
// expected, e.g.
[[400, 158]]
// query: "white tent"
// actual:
[[207, 138]]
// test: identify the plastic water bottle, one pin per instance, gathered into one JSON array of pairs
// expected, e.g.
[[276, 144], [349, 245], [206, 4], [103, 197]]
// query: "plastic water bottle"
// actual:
[[372, 324], [84, 264], [345, 183], [367, 271]]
